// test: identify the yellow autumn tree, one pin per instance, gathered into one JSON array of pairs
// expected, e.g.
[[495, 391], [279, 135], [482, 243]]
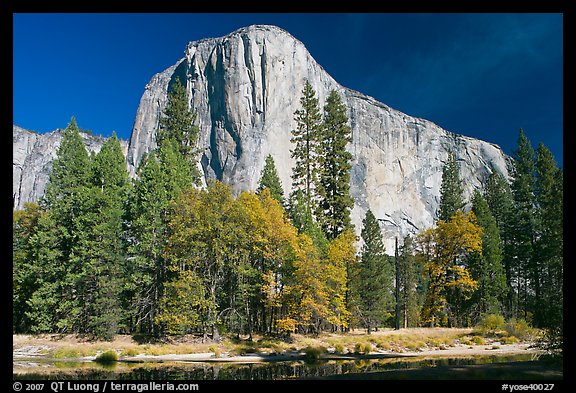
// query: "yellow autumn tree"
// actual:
[[443, 251], [341, 254]]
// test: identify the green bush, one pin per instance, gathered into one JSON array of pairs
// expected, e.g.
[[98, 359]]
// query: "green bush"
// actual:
[[314, 353], [363, 348], [491, 323], [478, 340], [107, 357], [339, 348]]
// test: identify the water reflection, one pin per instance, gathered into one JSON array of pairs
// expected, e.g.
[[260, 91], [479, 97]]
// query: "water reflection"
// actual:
[[235, 371]]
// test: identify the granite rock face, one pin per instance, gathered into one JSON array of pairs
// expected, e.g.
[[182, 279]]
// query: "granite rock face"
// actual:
[[246, 86], [32, 156]]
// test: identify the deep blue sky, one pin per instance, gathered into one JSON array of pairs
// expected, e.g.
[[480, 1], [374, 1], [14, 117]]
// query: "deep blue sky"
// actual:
[[481, 75]]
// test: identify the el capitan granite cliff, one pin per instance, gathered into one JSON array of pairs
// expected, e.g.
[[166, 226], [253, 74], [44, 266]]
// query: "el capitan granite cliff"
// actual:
[[245, 88]]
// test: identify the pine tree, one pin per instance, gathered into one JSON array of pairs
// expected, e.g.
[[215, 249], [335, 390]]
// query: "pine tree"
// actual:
[[451, 199], [486, 266], [305, 138], [177, 123], [147, 228], [106, 247], [269, 179], [60, 294], [523, 228], [302, 218], [410, 276], [549, 244], [335, 202], [499, 198], [67, 181], [376, 275]]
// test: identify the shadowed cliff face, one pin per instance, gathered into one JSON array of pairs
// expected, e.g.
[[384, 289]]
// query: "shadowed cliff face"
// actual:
[[246, 87]]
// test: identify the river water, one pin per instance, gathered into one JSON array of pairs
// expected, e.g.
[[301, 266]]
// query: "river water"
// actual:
[[282, 370]]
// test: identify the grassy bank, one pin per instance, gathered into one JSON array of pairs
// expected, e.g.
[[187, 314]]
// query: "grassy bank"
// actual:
[[355, 342]]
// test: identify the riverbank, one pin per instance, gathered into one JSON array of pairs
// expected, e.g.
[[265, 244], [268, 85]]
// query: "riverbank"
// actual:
[[352, 345]]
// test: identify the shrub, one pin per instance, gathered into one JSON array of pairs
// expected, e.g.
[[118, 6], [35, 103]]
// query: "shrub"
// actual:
[[478, 340], [363, 348], [314, 353], [367, 348], [491, 323], [509, 340], [339, 348], [519, 328], [216, 351], [107, 357]]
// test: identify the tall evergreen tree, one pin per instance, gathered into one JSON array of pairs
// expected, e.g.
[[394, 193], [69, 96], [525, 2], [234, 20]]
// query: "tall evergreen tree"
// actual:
[[499, 198], [105, 250], [451, 191], [177, 123], [60, 295], [335, 202], [67, 182], [523, 187], [549, 244], [269, 179], [305, 138], [161, 177], [410, 275], [486, 266], [376, 275]]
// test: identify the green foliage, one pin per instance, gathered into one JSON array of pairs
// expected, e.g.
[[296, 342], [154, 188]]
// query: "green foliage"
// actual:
[[478, 340], [451, 190], [162, 176], [522, 231], [269, 179], [78, 246], [363, 348], [507, 340], [412, 283], [499, 198], [306, 137], [376, 275], [182, 304], [314, 353], [486, 266], [24, 271], [100, 256], [491, 323], [549, 244], [333, 187], [519, 328], [107, 357], [177, 124]]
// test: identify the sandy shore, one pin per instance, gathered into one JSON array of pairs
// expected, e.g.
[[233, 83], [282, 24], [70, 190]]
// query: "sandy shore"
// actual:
[[36, 352]]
